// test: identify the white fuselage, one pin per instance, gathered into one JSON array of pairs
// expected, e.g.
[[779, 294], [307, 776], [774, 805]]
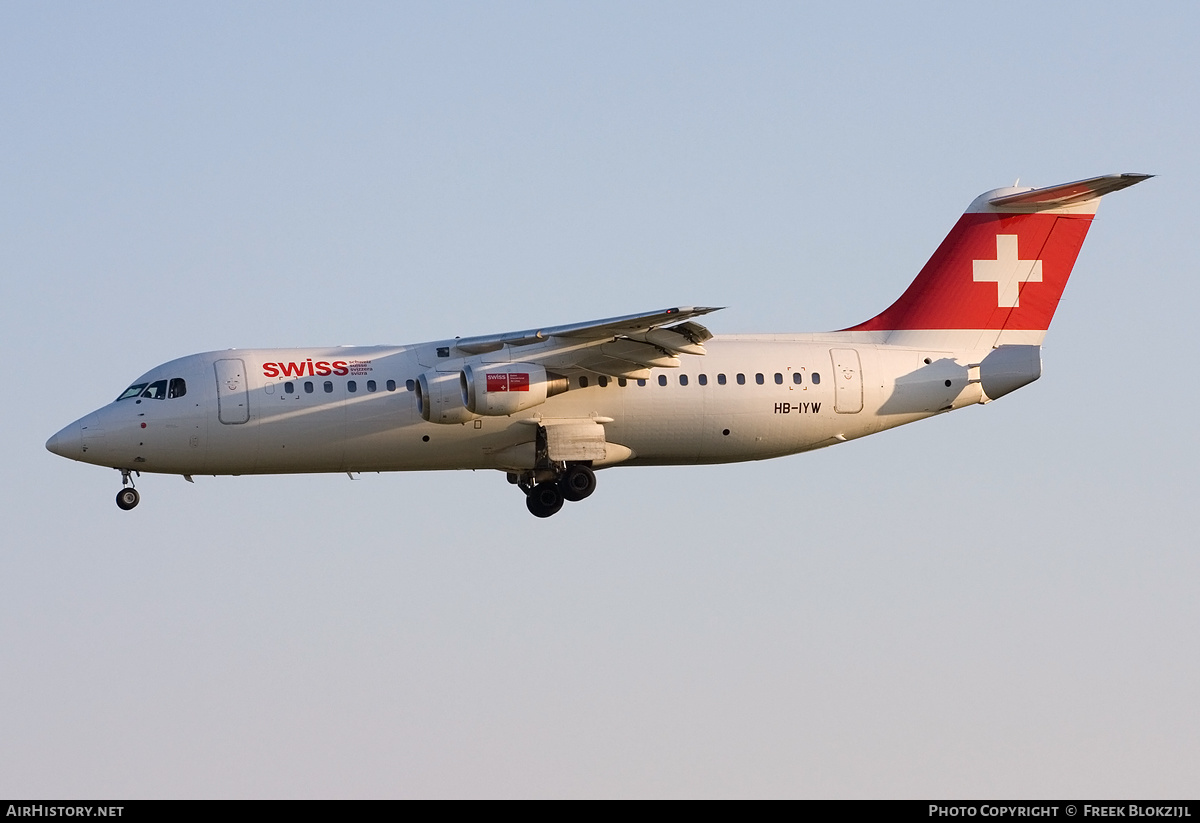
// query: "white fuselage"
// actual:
[[259, 411]]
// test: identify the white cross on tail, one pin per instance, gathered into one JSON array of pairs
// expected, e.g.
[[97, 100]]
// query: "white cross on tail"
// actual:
[[1007, 271]]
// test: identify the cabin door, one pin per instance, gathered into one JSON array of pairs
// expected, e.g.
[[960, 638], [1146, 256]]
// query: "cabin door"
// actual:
[[233, 396], [847, 381]]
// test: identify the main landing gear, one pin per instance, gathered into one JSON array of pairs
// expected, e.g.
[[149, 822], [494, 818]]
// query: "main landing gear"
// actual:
[[128, 496], [546, 489]]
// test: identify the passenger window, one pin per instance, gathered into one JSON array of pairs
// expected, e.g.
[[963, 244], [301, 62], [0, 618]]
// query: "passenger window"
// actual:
[[583, 382], [622, 382], [758, 378], [370, 385], [156, 390], [796, 377], [683, 379], [741, 378], [328, 386], [308, 387], [816, 379], [178, 388], [132, 391], [778, 379], [641, 382], [720, 379], [351, 386], [289, 387], [411, 385], [702, 379], [603, 381], [662, 380]]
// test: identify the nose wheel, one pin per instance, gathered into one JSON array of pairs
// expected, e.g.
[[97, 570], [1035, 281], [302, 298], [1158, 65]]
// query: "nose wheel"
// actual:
[[128, 496]]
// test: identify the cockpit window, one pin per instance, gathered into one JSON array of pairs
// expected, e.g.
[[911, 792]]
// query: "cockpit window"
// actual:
[[132, 391], [178, 387], [156, 390]]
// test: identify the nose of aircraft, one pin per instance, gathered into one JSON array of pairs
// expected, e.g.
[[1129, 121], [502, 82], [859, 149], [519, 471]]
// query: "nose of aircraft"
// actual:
[[67, 443]]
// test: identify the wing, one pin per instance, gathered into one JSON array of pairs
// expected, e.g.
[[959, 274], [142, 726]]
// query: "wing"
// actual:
[[625, 346]]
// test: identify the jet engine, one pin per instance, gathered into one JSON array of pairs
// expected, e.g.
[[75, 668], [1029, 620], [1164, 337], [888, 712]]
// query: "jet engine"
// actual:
[[505, 388], [439, 398]]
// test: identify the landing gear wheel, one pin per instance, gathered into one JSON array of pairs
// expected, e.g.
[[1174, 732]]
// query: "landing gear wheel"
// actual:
[[127, 499], [544, 500], [578, 482]]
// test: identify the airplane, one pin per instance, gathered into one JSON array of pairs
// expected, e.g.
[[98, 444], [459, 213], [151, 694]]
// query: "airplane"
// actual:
[[550, 406]]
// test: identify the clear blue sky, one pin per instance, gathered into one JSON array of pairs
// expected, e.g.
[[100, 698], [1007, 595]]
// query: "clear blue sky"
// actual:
[[1000, 602]]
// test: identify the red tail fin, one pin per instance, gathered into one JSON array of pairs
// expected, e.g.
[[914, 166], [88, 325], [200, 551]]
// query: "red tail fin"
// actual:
[[1004, 265]]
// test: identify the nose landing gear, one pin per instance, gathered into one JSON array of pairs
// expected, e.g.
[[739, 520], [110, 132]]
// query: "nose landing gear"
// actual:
[[128, 496]]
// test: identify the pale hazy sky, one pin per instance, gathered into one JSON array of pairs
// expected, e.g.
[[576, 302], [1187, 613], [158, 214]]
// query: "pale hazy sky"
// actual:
[[1001, 602]]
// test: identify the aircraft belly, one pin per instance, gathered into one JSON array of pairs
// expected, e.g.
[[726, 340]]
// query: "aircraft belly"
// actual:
[[673, 439], [427, 446], [293, 436], [232, 449]]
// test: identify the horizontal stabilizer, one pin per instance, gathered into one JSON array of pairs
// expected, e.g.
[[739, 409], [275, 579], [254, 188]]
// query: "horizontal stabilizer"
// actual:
[[1066, 194]]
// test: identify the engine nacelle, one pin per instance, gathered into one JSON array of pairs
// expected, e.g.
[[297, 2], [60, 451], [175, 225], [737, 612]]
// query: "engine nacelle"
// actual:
[[439, 398], [505, 388]]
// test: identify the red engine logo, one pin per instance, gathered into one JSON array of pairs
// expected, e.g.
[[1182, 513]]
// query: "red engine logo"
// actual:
[[515, 381]]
